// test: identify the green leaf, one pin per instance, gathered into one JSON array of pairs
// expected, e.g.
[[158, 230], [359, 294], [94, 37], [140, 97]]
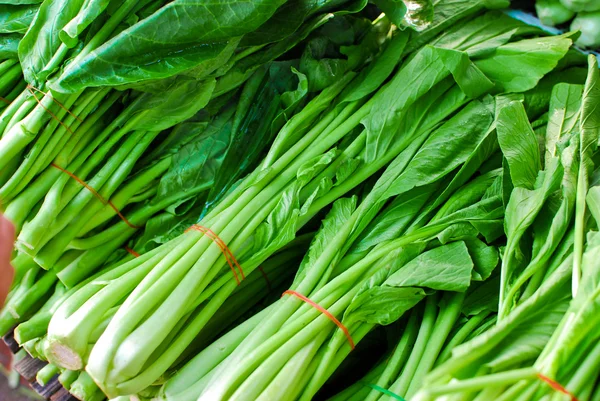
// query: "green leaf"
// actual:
[[519, 145], [447, 15], [428, 67], [564, 115], [279, 228], [179, 102], [42, 41], [16, 19], [445, 149], [395, 218], [589, 133], [189, 34], [377, 71], [528, 340], [195, 166], [321, 70], [90, 10], [446, 268], [482, 35], [383, 304], [9, 45], [484, 257], [482, 297], [519, 66]]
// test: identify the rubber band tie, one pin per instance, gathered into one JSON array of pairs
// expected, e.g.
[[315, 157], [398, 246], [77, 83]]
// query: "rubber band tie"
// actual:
[[231, 261], [383, 391], [266, 278], [325, 312], [556, 386], [96, 194], [131, 251], [31, 87]]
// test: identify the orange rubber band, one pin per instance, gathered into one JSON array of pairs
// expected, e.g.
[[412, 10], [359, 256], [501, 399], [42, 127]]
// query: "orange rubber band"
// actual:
[[48, 110], [131, 251], [55, 101], [231, 260], [96, 194], [5, 100], [266, 279], [556, 386], [325, 312]]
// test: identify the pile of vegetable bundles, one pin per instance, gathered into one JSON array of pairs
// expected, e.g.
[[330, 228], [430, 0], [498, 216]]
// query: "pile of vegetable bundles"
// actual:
[[301, 200]]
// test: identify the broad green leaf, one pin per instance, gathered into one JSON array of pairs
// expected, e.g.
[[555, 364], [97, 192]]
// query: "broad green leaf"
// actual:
[[9, 45], [265, 107], [551, 290], [519, 66], [377, 71], [16, 19], [189, 34], [378, 303], [427, 68], [485, 258], [521, 211], [446, 268], [383, 304], [194, 166], [445, 149], [181, 101], [41, 42], [480, 36], [593, 203], [244, 67], [469, 193], [589, 134], [321, 69], [528, 340], [395, 218], [90, 10], [446, 14], [564, 114], [279, 228], [482, 297], [519, 145]]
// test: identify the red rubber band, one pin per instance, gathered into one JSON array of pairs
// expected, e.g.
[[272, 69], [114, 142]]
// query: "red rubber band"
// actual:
[[325, 312], [131, 251], [231, 260], [96, 194], [55, 101], [556, 386], [266, 278], [5, 100]]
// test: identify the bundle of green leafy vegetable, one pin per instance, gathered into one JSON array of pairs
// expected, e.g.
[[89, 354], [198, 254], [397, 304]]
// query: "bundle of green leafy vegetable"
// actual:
[[197, 157], [259, 288], [412, 134], [544, 337]]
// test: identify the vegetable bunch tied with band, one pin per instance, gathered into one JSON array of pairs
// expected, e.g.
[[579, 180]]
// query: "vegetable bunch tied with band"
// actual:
[[319, 155]]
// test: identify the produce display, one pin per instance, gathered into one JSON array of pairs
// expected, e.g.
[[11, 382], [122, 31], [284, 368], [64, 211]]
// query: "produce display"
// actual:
[[301, 200], [583, 15]]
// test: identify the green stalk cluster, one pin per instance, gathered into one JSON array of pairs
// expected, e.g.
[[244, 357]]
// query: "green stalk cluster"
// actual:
[[545, 328], [427, 337], [289, 187], [11, 81]]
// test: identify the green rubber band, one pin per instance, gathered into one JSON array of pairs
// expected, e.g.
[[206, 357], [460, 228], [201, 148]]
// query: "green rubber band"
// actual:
[[384, 391]]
